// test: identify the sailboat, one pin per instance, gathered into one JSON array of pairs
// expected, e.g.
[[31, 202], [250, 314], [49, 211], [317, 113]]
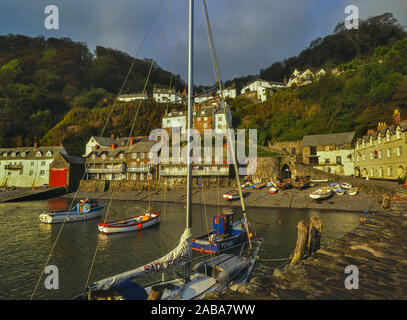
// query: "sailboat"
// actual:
[[136, 223], [206, 276]]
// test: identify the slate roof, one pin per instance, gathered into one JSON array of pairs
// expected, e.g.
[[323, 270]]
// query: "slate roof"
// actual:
[[30, 152], [328, 139]]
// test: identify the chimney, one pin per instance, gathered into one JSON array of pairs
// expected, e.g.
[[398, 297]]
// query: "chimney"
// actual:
[[113, 146], [35, 145], [396, 117], [381, 126], [131, 141]]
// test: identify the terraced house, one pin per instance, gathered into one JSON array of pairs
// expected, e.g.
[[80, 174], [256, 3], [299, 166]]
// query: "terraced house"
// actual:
[[123, 160], [382, 153], [28, 166]]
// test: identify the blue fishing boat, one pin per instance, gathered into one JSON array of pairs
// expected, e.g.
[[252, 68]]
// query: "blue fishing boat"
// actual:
[[226, 234], [84, 210]]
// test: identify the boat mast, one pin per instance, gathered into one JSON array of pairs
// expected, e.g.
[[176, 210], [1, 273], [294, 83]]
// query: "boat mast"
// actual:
[[190, 124]]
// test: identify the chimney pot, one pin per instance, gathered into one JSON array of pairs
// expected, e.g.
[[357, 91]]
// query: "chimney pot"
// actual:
[[35, 145]]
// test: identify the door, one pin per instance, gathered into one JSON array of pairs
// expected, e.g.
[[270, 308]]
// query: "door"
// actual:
[[57, 177]]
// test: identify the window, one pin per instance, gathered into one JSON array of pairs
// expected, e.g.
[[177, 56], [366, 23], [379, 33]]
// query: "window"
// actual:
[[379, 139], [371, 141], [372, 172], [142, 155], [387, 137], [32, 163], [339, 160], [93, 157], [43, 163], [398, 133], [103, 157], [205, 125], [390, 171], [358, 157], [13, 154], [38, 154], [199, 118], [363, 157], [326, 148], [219, 118], [42, 172], [327, 160], [293, 151], [285, 149], [371, 155], [313, 151], [399, 151], [363, 143], [380, 154], [121, 156], [134, 155], [389, 153], [49, 153], [31, 172], [381, 172], [150, 155]]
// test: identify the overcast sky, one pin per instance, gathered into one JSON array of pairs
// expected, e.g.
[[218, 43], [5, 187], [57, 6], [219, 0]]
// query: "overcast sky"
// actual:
[[248, 35]]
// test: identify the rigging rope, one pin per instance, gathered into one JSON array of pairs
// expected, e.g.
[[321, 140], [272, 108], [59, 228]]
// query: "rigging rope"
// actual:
[[132, 128], [110, 114]]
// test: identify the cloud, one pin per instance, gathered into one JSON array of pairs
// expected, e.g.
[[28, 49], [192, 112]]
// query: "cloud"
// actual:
[[249, 35]]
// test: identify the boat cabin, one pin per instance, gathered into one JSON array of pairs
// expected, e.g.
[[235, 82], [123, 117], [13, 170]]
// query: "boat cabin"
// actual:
[[222, 224]]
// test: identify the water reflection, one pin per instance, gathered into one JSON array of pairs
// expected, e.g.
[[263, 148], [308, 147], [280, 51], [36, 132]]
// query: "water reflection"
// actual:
[[25, 243]]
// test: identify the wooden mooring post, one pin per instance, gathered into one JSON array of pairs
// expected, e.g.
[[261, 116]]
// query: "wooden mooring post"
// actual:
[[301, 240], [308, 239]]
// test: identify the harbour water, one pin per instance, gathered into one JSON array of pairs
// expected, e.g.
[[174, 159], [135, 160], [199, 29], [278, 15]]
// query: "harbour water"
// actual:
[[25, 243]]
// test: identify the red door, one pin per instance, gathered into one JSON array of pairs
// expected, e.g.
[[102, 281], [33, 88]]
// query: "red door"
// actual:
[[57, 177]]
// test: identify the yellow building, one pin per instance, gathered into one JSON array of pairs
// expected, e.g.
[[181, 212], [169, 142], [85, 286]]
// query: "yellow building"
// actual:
[[382, 154]]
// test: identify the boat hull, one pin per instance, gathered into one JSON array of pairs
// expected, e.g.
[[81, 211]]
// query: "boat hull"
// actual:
[[118, 226], [203, 245], [70, 216]]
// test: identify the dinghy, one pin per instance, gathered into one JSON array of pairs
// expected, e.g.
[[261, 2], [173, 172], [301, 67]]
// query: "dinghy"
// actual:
[[234, 194], [136, 223], [130, 224], [321, 193], [353, 191], [84, 210], [271, 184], [346, 185], [273, 190], [340, 192]]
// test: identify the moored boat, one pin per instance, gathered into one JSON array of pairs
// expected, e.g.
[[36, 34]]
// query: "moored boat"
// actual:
[[273, 190], [233, 194], [346, 185], [226, 234], [84, 210], [340, 192], [353, 191], [321, 193], [130, 224]]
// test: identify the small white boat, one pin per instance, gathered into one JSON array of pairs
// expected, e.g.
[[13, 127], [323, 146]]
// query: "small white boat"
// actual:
[[273, 190], [353, 191], [340, 192], [334, 186], [271, 184], [319, 180], [346, 185], [246, 184], [130, 224], [321, 193], [85, 210]]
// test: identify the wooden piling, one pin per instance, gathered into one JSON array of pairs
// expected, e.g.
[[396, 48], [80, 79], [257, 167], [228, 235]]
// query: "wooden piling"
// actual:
[[301, 241], [385, 202], [314, 235]]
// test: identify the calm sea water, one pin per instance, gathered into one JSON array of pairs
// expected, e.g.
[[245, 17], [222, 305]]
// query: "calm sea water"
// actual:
[[25, 243]]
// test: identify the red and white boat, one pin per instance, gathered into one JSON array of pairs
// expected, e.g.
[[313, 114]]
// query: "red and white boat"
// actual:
[[234, 194], [130, 224], [136, 223]]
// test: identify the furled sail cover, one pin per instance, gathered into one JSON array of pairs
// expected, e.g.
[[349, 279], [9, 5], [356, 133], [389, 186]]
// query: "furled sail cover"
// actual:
[[179, 256]]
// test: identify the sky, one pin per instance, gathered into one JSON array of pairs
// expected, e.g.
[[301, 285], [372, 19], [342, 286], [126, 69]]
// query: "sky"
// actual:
[[248, 35]]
